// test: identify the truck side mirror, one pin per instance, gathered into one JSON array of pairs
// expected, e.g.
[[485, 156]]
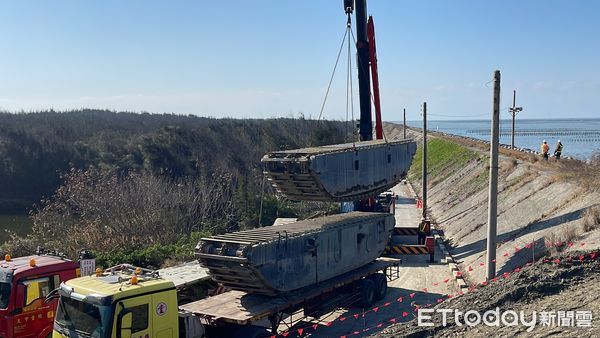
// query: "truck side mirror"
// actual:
[[124, 324]]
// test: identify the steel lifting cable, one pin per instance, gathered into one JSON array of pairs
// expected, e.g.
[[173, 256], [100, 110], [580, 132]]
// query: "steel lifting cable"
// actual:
[[349, 88], [370, 93], [349, 91], [348, 136], [333, 74]]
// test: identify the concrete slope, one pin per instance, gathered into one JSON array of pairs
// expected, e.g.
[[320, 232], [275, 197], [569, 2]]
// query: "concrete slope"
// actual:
[[544, 208], [537, 203]]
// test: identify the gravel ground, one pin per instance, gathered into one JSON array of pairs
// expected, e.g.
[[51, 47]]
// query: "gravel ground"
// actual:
[[569, 282]]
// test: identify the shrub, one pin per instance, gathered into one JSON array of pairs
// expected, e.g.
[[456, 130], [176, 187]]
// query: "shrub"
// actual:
[[18, 246], [591, 218], [152, 256], [595, 158], [507, 165], [103, 212], [557, 240]]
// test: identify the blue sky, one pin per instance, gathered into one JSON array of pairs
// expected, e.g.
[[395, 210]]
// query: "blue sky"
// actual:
[[274, 58]]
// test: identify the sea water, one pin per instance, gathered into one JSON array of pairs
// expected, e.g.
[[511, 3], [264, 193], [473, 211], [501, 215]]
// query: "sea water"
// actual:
[[580, 137]]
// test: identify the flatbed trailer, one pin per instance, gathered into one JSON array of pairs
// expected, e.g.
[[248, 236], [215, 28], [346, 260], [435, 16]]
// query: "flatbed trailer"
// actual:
[[131, 297], [239, 309]]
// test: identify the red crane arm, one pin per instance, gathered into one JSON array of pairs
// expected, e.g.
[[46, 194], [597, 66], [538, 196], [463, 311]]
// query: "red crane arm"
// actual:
[[375, 78]]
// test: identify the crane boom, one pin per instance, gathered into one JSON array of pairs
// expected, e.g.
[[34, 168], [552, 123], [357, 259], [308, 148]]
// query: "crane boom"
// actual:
[[375, 76], [362, 51]]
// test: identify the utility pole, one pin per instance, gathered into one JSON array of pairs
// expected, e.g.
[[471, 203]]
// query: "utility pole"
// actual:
[[424, 160], [404, 124], [514, 110], [493, 191]]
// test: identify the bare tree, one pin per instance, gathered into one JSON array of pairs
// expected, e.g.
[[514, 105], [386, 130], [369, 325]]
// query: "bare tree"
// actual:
[[100, 210]]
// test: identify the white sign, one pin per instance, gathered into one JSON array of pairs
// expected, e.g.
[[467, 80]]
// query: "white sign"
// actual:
[[508, 318], [88, 267], [161, 308]]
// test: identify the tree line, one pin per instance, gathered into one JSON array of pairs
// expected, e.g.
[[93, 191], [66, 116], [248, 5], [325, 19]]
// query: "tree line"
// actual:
[[144, 188], [35, 148]]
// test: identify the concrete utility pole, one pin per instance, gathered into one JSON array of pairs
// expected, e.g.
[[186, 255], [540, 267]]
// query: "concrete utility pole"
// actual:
[[424, 160], [514, 110], [404, 124], [493, 193]]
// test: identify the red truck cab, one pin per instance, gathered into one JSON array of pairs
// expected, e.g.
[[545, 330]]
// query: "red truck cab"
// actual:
[[24, 284]]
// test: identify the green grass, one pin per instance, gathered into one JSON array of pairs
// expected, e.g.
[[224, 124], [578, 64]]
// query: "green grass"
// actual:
[[481, 180], [20, 224], [443, 159]]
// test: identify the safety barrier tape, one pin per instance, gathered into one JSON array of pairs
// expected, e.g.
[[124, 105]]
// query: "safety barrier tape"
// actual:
[[299, 332]]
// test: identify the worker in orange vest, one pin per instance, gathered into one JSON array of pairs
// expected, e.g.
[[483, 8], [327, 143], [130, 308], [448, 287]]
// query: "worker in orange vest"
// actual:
[[545, 150]]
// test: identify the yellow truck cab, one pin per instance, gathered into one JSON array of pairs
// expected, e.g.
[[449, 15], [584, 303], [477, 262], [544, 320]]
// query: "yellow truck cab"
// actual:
[[123, 301]]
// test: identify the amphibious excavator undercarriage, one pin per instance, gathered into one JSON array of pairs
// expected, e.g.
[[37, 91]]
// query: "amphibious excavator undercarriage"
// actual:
[[340, 172]]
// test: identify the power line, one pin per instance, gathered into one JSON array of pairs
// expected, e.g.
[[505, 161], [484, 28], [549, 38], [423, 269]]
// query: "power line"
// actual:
[[333, 72], [475, 115]]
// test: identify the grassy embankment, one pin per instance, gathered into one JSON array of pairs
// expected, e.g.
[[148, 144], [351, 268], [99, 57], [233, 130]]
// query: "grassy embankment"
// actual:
[[443, 159]]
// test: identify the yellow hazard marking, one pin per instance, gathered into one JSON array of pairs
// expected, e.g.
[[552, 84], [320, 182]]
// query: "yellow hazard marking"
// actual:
[[407, 249], [405, 231]]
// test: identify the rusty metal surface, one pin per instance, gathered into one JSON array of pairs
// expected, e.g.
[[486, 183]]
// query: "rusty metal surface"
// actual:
[[278, 259], [339, 172]]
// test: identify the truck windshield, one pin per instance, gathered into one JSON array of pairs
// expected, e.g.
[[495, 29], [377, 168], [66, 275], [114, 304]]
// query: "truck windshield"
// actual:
[[4, 294], [80, 319]]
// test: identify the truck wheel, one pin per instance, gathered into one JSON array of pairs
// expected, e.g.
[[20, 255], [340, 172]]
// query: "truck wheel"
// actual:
[[380, 282], [367, 293]]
